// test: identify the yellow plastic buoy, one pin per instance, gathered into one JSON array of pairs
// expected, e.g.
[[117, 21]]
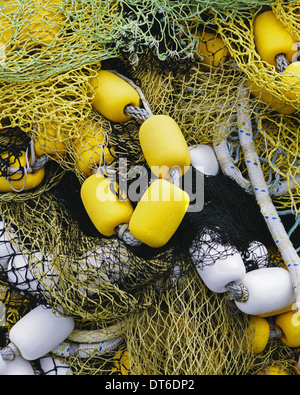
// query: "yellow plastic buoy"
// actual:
[[270, 99], [17, 181], [50, 145], [164, 146], [258, 333], [91, 149], [112, 95], [272, 38], [291, 76], [6, 27], [159, 213], [281, 311], [101, 201], [44, 24], [274, 371], [289, 323], [123, 364], [212, 49]]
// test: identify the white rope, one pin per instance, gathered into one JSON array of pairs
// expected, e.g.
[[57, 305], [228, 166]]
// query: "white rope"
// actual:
[[9, 352], [227, 164], [228, 167], [125, 235], [260, 190], [86, 350], [96, 336], [175, 176]]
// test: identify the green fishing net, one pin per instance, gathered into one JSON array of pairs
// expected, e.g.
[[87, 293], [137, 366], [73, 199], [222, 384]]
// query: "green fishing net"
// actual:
[[138, 310], [43, 38]]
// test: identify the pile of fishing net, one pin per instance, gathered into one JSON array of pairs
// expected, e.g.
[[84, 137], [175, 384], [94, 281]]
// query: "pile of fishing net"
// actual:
[[139, 309]]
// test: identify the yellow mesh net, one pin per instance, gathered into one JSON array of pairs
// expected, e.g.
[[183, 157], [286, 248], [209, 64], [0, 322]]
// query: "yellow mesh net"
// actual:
[[137, 310]]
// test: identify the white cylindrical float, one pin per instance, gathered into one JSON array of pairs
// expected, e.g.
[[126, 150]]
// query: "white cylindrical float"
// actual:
[[22, 268], [19, 367], [104, 264], [19, 275], [203, 158], [39, 331], [54, 367], [270, 289], [258, 253], [6, 248], [3, 366], [216, 264]]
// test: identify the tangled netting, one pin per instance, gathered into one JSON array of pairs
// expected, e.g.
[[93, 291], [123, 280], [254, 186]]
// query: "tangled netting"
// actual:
[[44, 38], [137, 309]]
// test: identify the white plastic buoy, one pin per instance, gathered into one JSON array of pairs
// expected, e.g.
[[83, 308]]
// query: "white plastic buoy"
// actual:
[[54, 367], [39, 331], [19, 367], [19, 275], [270, 289], [20, 271], [216, 264], [3, 366], [113, 256], [258, 253], [6, 248], [203, 158], [106, 263], [42, 266]]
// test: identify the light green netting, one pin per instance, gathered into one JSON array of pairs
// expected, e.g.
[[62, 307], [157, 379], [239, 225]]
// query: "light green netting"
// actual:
[[40, 39]]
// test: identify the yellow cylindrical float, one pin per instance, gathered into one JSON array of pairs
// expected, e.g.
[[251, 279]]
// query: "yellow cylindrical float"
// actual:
[[101, 201], [112, 95], [270, 99], [291, 76], [281, 311], [159, 213], [212, 49], [6, 28], [164, 146], [17, 181], [272, 38], [124, 364], [289, 323], [274, 371], [44, 24], [50, 145], [258, 333], [91, 149]]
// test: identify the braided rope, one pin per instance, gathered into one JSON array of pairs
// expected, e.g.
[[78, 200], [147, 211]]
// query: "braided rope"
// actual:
[[86, 350], [227, 164], [95, 336], [228, 167], [238, 292], [125, 235], [260, 189], [282, 62], [39, 163], [175, 176], [137, 112], [9, 352]]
